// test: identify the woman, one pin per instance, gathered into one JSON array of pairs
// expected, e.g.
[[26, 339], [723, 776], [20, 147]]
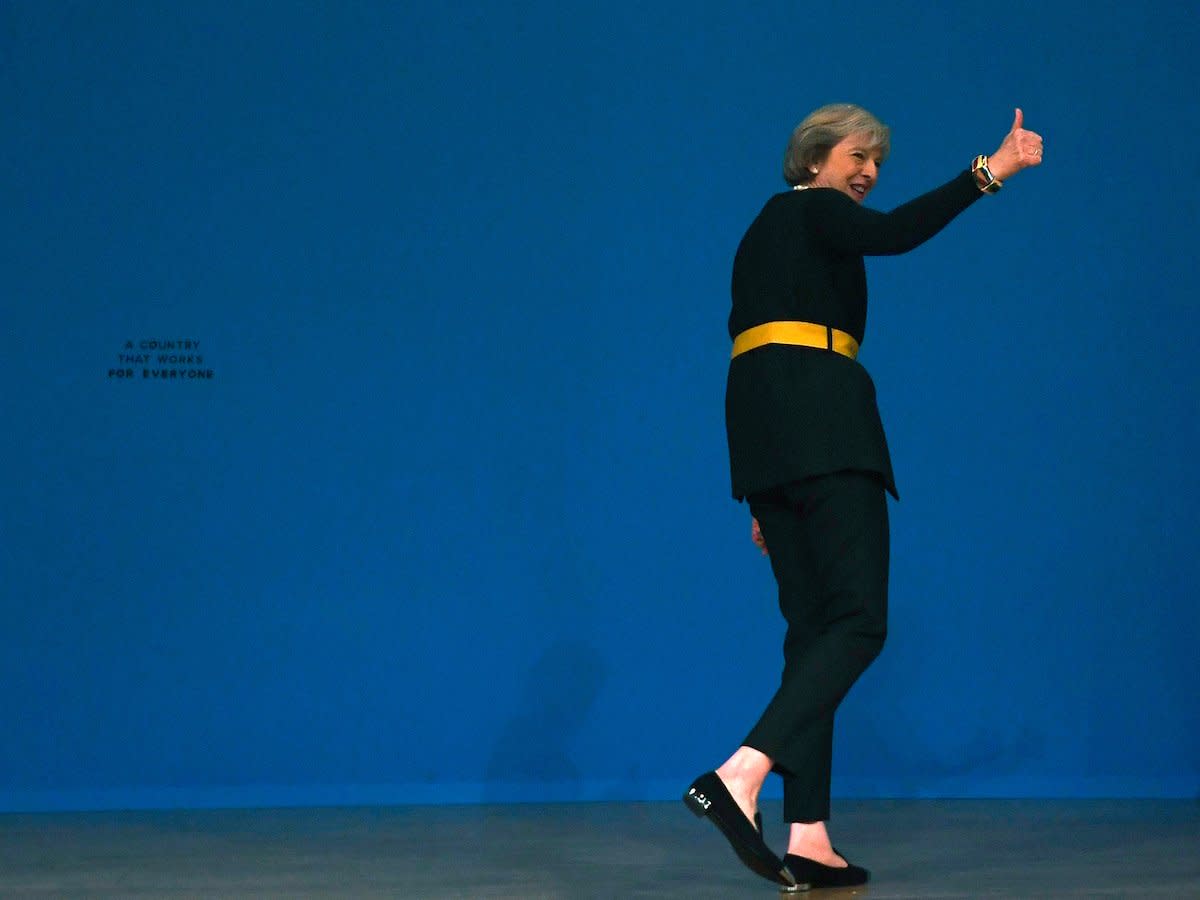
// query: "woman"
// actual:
[[807, 450]]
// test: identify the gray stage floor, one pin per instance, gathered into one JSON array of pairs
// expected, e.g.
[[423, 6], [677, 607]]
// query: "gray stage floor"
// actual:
[[917, 849]]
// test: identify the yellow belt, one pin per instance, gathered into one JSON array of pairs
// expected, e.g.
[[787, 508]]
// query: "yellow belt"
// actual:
[[800, 334]]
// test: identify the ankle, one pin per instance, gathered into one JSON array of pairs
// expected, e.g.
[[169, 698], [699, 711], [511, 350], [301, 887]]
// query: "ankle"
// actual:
[[809, 839], [742, 786], [748, 768]]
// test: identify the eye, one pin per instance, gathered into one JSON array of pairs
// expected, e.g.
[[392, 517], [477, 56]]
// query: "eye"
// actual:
[[858, 154]]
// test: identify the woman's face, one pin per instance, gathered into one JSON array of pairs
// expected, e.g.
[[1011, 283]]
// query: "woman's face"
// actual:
[[852, 167]]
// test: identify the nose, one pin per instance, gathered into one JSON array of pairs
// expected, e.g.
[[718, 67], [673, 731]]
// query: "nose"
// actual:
[[870, 169]]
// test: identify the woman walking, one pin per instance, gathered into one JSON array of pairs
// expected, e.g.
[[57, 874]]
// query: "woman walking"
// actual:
[[807, 450]]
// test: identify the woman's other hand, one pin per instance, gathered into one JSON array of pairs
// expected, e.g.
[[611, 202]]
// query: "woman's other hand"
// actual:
[[756, 535], [1019, 150]]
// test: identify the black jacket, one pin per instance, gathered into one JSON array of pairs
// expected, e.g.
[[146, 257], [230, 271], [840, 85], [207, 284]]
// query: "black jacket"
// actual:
[[794, 412]]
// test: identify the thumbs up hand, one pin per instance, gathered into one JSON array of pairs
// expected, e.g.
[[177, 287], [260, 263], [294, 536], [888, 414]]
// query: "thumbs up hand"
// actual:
[[1019, 150]]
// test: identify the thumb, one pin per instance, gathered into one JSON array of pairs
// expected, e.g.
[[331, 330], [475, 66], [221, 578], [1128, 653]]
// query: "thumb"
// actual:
[[1018, 119]]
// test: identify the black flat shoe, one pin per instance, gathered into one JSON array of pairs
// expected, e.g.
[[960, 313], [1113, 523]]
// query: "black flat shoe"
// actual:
[[709, 798], [812, 874]]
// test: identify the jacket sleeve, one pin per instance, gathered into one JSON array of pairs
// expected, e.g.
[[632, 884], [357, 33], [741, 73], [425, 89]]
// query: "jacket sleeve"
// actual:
[[838, 223]]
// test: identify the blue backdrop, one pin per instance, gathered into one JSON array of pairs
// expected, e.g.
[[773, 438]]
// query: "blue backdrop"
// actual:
[[450, 519]]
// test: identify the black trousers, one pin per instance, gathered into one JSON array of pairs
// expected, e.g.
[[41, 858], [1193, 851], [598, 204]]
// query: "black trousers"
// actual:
[[828, 543]]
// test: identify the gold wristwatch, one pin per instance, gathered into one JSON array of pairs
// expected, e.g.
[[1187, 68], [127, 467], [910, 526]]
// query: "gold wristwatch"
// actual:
[[988, 183]]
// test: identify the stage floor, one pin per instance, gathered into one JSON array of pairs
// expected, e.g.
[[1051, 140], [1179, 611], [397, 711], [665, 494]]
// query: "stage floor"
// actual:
[[915, 848]]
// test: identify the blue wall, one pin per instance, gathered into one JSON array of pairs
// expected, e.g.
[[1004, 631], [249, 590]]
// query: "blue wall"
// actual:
[[450, 521]]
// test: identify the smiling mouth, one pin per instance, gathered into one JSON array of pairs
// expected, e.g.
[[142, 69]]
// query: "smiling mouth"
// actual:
[[859, 190]]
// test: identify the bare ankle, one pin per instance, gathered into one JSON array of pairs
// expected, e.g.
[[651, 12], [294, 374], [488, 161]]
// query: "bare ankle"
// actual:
[[809, 836], [747, 766], [811, 840], [743, 775]]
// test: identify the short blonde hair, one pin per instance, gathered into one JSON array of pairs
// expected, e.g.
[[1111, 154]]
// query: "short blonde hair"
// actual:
[[824, 128]]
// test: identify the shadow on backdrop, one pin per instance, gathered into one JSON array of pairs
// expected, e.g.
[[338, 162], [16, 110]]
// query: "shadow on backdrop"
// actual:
[[555, 699]]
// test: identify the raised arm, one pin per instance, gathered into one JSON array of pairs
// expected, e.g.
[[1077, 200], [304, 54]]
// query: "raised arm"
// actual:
[[841, 224], [837, 222]]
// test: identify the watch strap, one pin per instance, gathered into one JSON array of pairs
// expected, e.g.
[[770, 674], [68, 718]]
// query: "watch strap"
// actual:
[[987, 182]]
